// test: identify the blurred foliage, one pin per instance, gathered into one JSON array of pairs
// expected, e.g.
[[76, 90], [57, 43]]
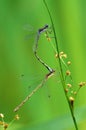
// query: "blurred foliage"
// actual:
[[17, 58]]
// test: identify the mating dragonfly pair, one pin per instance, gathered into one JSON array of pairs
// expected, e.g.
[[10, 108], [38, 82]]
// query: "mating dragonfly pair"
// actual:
[[45, 30]]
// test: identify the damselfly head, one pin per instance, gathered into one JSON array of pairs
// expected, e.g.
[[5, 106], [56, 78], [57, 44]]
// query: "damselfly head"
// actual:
[[46, 25], [43, 29]]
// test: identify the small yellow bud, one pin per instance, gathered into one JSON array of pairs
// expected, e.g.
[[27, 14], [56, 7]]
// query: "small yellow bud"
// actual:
[[81, 84], [5, 126], [56, 55], [17, 117], [71, 99], [49, 39], [1, 123], [75, 93], [69, 85], [68, 62], [68, 72], [61, 53], [64, 55], [1, 115], [66, 90]]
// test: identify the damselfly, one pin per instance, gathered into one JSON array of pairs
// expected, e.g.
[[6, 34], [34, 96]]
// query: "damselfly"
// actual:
[[40, 31], [36, 89]]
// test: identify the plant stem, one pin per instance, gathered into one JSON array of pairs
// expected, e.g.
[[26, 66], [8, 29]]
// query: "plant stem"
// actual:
[[60, 66]]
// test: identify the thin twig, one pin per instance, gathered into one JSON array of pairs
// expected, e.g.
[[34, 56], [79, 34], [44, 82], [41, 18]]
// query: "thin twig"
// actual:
[[61, 70]]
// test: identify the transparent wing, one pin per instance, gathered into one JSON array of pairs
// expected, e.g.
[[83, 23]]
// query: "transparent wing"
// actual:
[[30, 31], [28, 27]]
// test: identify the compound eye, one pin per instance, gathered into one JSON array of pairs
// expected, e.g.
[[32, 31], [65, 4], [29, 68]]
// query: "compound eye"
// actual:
[[46, 25]]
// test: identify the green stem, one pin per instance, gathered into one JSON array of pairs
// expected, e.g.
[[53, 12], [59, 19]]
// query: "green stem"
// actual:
[[61, 70]]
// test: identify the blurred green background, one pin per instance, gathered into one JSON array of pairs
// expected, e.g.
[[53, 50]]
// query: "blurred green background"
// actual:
[[19, 68]]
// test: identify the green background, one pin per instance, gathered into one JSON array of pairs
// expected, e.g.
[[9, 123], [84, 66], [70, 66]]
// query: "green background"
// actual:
[[17, 59]]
